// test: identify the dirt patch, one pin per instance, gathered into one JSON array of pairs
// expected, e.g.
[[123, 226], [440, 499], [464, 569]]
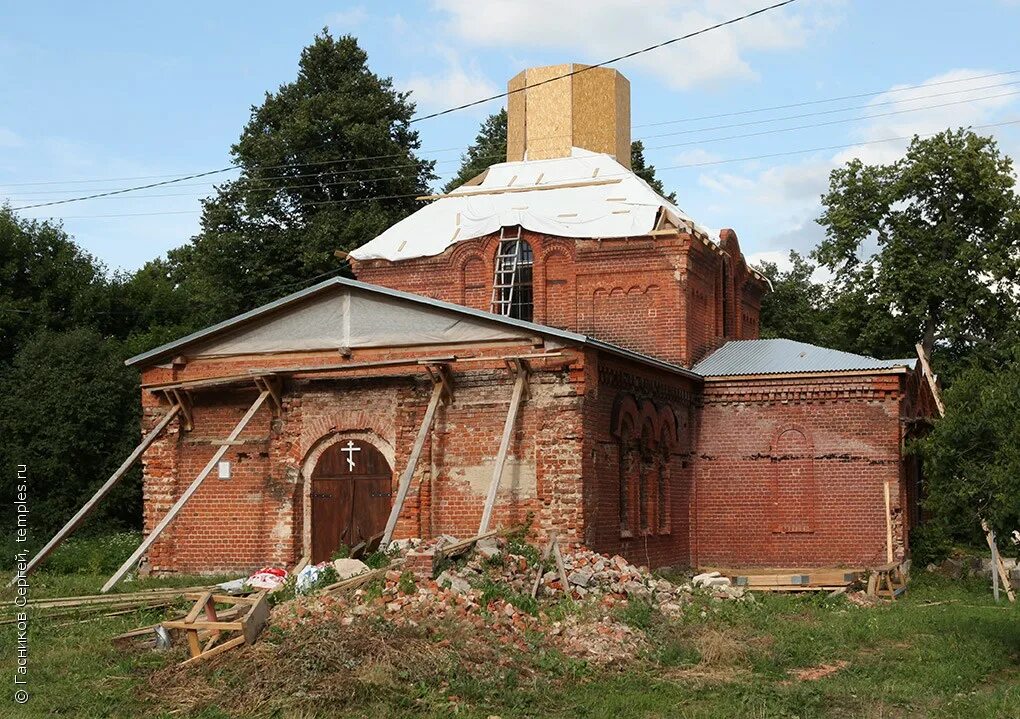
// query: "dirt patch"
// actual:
[[812, 674]]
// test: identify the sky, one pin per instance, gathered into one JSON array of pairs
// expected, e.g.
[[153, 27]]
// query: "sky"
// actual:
[[100, 96]]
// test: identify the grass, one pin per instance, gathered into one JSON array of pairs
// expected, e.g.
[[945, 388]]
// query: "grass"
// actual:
[[959, 657]]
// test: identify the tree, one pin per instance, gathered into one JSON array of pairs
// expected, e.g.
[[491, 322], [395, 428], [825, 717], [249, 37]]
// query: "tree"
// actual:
[[327, 163], [972, 455], [69, 411], [46, 281], [795, 308], [645, 171], [489, 148], [931, 243]]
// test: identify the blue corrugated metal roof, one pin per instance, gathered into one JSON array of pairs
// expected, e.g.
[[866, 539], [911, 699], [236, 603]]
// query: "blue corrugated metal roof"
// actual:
[[780, 356]]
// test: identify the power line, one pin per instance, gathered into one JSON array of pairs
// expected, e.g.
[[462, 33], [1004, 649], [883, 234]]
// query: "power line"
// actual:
[[805, 103], [829, 122], [658, 169], [646, 137], [833, 111], [273, 188], [626, 56]]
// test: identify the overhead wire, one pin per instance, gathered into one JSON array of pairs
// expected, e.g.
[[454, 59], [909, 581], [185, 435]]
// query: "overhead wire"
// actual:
[[665, 168]]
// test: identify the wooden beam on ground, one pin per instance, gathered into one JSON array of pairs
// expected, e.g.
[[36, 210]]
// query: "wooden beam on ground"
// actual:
[[520, 385], [87, 508], [412, 461], [192, 488]]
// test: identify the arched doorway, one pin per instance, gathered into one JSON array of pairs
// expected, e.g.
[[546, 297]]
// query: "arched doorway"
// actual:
[[350, 496]]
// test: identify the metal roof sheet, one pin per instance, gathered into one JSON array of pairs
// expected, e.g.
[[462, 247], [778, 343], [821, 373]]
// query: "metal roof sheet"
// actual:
[[782, 356]]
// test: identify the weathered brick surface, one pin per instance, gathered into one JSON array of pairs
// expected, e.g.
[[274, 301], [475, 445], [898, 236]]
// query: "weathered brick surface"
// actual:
[[790, 472], [670, 296]]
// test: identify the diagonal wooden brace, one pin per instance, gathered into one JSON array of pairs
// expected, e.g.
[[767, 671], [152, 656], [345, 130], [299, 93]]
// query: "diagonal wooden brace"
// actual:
[[192, 488], [520, 389], [87, 508], [439, 390]]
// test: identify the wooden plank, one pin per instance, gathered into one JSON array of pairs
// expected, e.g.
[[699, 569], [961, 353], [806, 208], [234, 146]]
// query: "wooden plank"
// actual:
[[528, 188], [234, 626], [504, 445], [541, 568], [412, 462], [110, 483], [179, 504], [559, 565], [200, 604], [998, 566], [229, 644], [193, 646], [458, 548], [888, 525], [932, 379], [255, 621]]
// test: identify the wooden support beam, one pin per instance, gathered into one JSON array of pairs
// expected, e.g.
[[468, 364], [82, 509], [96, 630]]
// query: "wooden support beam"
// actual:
[[933, 381], [412, 461], [87, 508], [273, 385], [192, 488], [998, 567], [184, 400], [888, 526], [520, 385]]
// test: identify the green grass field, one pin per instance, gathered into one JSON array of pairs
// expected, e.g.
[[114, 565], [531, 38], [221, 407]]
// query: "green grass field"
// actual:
[[944, 650]]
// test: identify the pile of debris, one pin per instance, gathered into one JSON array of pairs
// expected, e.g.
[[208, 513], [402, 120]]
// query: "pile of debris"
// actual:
[[506, 589]]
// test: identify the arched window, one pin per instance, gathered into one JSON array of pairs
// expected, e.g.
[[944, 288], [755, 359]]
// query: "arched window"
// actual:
[[512, 291]]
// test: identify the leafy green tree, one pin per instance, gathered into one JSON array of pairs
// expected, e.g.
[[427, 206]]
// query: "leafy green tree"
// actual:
[[972, 455], [795, 308], [69, 412], [46, 281], [488, 149], [646, 172], [327, 162], [929, 244]]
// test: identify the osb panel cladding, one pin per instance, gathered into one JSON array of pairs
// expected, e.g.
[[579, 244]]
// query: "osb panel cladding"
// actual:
[[790, 473], [666, 404], [590, 110]]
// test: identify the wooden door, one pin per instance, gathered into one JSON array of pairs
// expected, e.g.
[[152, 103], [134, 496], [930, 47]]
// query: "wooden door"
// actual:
[[351, 486]]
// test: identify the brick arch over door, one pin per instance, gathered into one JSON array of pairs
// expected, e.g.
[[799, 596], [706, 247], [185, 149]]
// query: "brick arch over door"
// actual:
[[311, 459]]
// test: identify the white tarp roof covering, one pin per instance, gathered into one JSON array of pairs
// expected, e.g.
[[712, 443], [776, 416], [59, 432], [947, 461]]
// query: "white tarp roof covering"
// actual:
[[628, 208], [350, 317]]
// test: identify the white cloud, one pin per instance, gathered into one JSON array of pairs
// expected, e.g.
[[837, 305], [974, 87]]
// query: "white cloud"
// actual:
[[975, 100], [454, 85], [593, 30], [785, 198], [342, 19]]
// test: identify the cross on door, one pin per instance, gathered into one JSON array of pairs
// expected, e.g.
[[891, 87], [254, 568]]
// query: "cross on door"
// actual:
[[349, 450]]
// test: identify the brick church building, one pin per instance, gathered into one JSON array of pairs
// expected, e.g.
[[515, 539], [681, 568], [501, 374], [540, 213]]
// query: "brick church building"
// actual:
[[552, 342]]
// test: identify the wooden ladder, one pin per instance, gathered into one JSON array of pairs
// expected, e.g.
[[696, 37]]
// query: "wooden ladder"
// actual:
[[507, 258]]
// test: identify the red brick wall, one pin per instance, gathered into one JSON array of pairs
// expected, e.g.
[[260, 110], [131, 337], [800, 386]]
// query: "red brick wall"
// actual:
[[790, 472], [663, 296], [637, 423], [258, 516]]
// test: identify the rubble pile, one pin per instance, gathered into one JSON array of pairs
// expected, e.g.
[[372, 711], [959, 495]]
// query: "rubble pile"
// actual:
[[491, 588]]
